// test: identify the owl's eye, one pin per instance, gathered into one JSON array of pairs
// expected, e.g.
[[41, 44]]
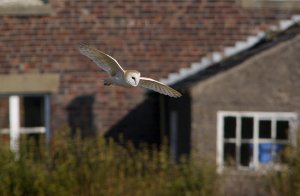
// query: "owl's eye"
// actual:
[[133, 78]]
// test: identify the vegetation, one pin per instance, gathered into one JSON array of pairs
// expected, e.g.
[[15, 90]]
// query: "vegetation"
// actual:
[[100, 167], [287, 180]]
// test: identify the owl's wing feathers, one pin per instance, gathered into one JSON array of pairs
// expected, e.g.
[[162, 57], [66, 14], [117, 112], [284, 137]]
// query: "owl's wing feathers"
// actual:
[[158, 87], [104, 61]]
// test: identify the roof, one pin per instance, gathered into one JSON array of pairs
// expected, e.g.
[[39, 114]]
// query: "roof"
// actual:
[[230, 55], [237, 60]]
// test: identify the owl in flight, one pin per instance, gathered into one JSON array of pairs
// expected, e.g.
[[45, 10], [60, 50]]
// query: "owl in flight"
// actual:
[[121, 77]]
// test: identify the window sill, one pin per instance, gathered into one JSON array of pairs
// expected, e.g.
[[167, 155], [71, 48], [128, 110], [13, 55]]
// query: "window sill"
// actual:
[[26, 130], [279, 4], [247, 171], [37, 10]]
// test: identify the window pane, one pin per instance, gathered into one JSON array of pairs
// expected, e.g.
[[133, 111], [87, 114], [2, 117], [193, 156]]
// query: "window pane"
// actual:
[[265, 129], [265, 153], [282, 128], [247, 128], [32, 111], [246, 154], [229, 127], [229, 153], [281, 153], [4, 114]]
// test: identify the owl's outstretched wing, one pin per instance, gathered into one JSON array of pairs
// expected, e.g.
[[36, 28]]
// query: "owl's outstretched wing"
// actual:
[[158, 87], [104, 61]]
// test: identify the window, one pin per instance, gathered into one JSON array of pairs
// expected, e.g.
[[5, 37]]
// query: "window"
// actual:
[[25, 114], [252, 140], [25, 106], [24, 7]]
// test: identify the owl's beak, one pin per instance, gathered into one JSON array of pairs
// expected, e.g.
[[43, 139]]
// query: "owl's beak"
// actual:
[[136, 81]]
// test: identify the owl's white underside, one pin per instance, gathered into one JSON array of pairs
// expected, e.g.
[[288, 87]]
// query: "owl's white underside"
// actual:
[[124, 79], [116, 81]]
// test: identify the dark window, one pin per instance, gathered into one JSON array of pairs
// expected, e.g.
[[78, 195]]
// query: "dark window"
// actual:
[[247, 128], [282, 128], [265, 129], [229, 127], [229, 153], [33, 112], [246, 154]]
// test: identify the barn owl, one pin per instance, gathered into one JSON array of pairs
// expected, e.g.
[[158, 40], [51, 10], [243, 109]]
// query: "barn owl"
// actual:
[[121, 77]]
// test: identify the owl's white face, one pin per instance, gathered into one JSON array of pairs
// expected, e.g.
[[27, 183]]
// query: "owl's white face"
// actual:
[[132, 77]]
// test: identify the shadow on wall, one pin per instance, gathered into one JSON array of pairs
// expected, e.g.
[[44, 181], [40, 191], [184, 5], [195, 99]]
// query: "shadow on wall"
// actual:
[[80, 116], [140, 125], [156, 117], [178, 124]]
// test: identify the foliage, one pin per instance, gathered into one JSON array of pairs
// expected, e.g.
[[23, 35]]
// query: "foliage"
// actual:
[[100, 167], [286, 181]]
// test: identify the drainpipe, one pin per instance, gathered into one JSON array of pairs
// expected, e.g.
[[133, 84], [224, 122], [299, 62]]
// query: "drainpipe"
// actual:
[[162, 113]]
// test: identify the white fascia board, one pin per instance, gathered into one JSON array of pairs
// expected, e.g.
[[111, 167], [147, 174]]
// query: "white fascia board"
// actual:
[[173, 76], [296, 18], [217, 57], [184, 71], [241, 46], [230, 51], [164, 80], [285, 24], [274, 28], [252, 40], [205, 62]]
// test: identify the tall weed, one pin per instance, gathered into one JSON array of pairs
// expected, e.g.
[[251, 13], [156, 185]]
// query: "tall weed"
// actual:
[[100, 167]]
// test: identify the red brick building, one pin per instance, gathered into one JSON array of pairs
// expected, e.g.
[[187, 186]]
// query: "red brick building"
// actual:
[[43, 73]]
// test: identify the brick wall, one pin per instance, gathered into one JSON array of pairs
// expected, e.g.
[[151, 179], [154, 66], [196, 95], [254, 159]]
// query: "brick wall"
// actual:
[[155, 37]]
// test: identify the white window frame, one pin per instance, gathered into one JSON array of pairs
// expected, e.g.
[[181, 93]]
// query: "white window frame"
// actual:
[[14, 130], [292, 117]]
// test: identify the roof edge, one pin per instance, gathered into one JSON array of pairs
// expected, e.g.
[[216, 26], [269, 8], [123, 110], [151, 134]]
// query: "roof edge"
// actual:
[[217, 57]]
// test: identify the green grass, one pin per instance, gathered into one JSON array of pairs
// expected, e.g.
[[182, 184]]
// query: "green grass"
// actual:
[[97, 167]]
